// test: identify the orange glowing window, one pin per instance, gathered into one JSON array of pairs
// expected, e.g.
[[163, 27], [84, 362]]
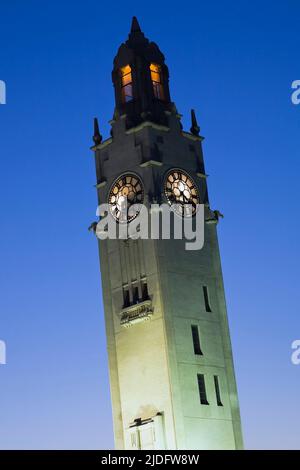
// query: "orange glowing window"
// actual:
[[157, 81], [126, 83]]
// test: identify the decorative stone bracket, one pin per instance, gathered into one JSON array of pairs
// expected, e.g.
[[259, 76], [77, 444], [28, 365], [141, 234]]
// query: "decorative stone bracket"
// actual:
[[212, 217], [136, 313]]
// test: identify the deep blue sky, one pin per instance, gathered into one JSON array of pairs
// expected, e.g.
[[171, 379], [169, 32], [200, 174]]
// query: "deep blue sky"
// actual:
[[234, 63]]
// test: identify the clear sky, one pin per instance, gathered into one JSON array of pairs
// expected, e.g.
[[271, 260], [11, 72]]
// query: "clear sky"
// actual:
[[233, 62]]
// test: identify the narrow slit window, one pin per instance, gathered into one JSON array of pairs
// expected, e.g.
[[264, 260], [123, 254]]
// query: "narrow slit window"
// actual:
[[136, 295], [202, 389], [196, 340], [126, 83], [126, 299], [145, 294], [206, 299], [157, 81], [217, 389]]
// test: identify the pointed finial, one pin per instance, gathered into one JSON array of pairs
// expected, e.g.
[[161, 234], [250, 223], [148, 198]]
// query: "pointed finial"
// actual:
[[135, 27], [97, 137], [195, 129]]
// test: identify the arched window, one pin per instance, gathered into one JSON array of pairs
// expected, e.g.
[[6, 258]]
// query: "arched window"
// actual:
[[126, 83], [157, 81]]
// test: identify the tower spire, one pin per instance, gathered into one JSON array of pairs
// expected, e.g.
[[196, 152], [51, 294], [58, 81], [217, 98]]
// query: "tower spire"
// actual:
[[141, 80], [195, 129], [97, 137], [135, 27]]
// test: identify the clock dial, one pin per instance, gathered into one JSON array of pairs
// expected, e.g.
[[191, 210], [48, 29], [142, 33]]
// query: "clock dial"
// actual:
[[181, 191], [127, 189]]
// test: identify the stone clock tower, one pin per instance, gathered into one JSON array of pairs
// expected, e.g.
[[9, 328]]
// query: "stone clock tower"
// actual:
[[170, 360]]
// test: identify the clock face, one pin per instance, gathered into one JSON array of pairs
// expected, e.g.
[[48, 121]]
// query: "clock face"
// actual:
[[126, 190], [181, 191]]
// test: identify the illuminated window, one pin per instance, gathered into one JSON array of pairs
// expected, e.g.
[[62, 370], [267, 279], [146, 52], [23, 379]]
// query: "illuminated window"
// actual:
[[126, 83], [202, 389], [157, 81], [196, 340]]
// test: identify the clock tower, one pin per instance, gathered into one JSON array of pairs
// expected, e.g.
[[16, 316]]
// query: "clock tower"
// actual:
[[170, 360]]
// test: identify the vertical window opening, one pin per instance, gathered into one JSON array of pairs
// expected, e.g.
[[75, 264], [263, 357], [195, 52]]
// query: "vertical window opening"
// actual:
[[136, 295], [126, 83], [126, 299], [145, 294], [206, 299], [217, 388], [202, 389], [196, 340], [157, 81]]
